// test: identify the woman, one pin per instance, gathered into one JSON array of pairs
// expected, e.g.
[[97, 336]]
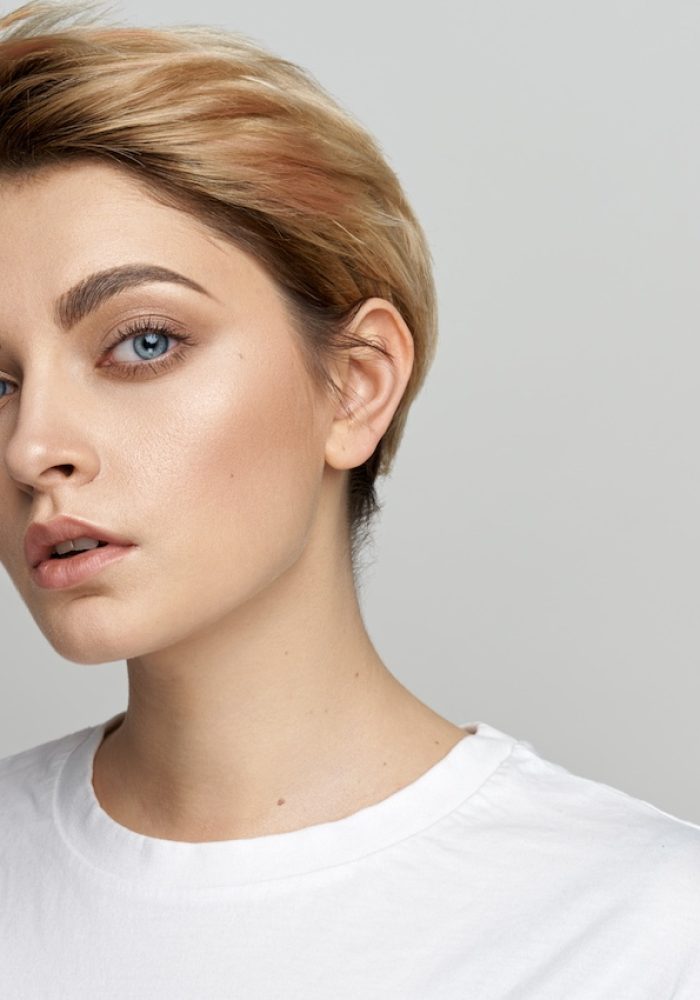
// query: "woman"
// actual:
[[217, 309]]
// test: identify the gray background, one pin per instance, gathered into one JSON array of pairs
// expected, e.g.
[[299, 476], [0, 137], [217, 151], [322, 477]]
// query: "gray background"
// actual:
[[536, 563]]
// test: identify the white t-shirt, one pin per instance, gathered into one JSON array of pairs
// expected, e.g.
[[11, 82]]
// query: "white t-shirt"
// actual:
[[496, 875]]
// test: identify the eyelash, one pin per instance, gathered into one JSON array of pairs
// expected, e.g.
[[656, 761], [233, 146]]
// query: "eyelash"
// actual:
[[142, 325], [133, 329]]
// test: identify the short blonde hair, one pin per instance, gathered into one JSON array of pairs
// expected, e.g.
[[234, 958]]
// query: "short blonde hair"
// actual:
[[209, 122]]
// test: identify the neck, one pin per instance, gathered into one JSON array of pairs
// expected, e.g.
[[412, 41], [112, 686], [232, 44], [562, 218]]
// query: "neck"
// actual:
[[278, 716]]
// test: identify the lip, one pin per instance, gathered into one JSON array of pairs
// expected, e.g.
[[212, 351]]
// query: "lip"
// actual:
[[41, 537], [59, 574]]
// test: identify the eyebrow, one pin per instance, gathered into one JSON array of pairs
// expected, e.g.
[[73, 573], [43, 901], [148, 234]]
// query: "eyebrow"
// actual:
[[90, 292]]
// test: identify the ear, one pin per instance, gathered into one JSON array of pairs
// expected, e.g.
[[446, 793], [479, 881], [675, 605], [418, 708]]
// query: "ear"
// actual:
[[371, 384]]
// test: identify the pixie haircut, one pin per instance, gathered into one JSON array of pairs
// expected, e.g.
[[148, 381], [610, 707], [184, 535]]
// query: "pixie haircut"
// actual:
[[208, 122]]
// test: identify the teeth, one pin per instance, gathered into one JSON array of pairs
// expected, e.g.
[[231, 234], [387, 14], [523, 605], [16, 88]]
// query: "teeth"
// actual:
[[75, 543]]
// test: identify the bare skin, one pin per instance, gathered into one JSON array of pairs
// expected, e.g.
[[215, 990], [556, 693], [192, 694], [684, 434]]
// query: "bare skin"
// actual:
[[257, 701]]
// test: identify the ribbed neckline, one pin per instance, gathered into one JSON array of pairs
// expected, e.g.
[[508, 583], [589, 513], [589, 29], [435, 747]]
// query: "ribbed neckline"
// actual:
[[153, 863]]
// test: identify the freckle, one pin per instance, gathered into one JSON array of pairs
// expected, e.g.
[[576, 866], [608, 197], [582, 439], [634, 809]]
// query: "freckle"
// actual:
[[357, 674], [384, 763], [280, 802], [436, 742]]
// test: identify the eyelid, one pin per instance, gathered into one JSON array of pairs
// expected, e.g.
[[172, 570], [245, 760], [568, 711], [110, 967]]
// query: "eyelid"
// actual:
[[129, 329], [145, 367], [135, 315], [140, 323], [139, 316]]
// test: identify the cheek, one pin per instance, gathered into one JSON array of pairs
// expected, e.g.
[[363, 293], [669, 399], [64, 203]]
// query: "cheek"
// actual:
[[232, 472], [217, 475]]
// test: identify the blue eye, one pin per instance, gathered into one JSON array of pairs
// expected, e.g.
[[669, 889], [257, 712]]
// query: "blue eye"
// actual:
[[148, 336], [152, 341]]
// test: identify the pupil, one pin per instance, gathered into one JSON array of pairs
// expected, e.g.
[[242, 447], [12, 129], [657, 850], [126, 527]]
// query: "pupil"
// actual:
[[149, 338]]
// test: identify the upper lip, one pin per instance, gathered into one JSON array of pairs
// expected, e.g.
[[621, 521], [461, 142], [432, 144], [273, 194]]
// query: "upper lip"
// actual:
[[42, 536]]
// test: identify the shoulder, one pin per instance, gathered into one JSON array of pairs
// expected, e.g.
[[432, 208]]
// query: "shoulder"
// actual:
[[626, 845], [557, 787], [27, 777], [33, 758]]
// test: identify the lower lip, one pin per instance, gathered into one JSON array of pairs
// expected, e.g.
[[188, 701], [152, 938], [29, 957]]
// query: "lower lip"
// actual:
[[55, 574]]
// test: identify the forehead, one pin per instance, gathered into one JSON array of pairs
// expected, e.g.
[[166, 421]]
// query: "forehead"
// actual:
[[62, 223], [65, 208]]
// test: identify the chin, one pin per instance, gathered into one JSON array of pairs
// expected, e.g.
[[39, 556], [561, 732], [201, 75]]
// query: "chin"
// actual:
[[81, 632]]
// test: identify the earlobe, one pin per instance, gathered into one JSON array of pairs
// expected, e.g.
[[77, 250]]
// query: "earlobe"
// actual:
[[374, 378]]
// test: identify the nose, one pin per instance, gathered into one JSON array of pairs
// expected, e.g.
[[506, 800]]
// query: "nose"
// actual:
[[49, 441]]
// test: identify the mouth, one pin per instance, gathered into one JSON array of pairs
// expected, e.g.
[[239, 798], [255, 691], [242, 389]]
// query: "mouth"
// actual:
[[79, 566], [67, 538], [75, 552]]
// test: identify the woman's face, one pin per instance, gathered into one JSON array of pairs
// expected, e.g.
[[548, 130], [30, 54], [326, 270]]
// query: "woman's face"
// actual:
[[212, 463]]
